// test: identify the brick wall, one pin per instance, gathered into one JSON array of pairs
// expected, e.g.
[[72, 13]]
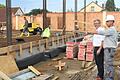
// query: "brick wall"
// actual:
[[70, 20]]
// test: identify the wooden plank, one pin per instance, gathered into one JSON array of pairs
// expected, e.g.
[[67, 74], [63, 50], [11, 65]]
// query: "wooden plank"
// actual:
[[60, 65], [21, 50], [3, 50], [8, 64], [56, 78], [13, 54], [34, 70], [4, 76], [16, 47], [31, 48]]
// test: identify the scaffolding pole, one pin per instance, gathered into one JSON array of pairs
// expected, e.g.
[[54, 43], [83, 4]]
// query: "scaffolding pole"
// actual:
[[9, 22], [76, 23], [64, 16], [84, 15], [44, 14]]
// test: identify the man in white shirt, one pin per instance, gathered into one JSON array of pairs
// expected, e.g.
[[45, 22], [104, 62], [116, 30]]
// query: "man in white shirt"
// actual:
[[98, 49]]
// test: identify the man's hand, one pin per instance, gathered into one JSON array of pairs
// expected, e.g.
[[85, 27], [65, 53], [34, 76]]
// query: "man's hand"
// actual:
[[98, 51]]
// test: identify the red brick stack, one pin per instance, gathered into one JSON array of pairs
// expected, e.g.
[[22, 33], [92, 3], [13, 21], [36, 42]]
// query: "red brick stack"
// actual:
[[89, 51], [81, 52], [71, 50]]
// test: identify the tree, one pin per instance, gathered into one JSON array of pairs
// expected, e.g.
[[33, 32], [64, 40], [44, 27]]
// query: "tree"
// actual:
[[2, 6], [35, 12], [117, 9], [110, 5]]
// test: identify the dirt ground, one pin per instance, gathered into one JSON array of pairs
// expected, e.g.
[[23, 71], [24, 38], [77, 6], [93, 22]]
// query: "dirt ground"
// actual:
[[72, 68]]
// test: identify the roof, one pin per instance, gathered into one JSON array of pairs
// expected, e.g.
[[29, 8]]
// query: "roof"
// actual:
[[3, 13], [15, 9], [90, 4]]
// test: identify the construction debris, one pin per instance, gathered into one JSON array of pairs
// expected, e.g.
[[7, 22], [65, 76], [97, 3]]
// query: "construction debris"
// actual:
[[44, 77], [60, 65], [56, 78], [8, 64]]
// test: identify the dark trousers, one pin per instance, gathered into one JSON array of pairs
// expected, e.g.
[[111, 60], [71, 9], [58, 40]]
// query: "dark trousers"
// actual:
[[99, 60]]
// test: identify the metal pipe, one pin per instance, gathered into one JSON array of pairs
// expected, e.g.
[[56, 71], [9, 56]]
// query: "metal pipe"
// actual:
[[44, 14], [9, 22], [84, 15], [76, 14], [64, 16]]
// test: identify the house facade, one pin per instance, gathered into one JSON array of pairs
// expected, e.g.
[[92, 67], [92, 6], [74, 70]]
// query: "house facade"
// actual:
[[92, 7]]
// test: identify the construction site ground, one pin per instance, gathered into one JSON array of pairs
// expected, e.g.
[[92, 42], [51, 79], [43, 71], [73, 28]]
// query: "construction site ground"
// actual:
[[73, 69]]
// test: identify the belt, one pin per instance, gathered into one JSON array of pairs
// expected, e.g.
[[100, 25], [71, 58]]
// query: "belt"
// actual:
[[109, 49]]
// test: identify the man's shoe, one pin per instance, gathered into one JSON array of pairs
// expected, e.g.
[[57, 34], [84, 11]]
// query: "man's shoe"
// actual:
[[98, 78]]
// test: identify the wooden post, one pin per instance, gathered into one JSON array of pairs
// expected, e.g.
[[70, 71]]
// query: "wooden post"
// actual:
[[39, 44], [58, 41], [21, 51], [31, 48], [47, 46], [53, 42], [8, 51], [63, 41]]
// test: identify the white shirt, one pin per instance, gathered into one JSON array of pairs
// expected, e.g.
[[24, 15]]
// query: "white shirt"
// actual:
[[97, 39]]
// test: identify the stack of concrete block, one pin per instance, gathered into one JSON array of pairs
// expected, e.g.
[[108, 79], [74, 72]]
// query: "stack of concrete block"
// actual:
[[71, 50], [81, 52], [89, 52]]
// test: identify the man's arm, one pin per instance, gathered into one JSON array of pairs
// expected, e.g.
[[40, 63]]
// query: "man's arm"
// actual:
[[100, 48], [108, 32]]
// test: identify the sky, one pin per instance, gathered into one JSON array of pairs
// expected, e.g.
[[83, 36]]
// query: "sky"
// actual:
[[52, 5]]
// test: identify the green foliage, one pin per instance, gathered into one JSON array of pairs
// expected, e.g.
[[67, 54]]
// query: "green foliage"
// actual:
[[110, 5], [117, 9], [2, 6], [35, 12]]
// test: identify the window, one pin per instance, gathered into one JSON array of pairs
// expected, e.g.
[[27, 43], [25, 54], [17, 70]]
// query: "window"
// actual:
[[60, 23], [92, 8], [48, 21]]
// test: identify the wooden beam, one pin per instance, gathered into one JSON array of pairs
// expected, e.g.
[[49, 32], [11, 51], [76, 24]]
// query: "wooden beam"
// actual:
[[60, 65], [21, 50], [31, 48], [46, 43], [8, 64], [4, 76], [34, 70]]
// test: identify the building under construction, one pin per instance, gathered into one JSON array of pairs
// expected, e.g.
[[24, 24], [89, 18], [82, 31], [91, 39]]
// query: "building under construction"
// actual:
[[66, 55]]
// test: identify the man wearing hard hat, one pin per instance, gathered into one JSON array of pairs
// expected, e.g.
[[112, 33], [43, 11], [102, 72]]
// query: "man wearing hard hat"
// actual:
[[110, 44]]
